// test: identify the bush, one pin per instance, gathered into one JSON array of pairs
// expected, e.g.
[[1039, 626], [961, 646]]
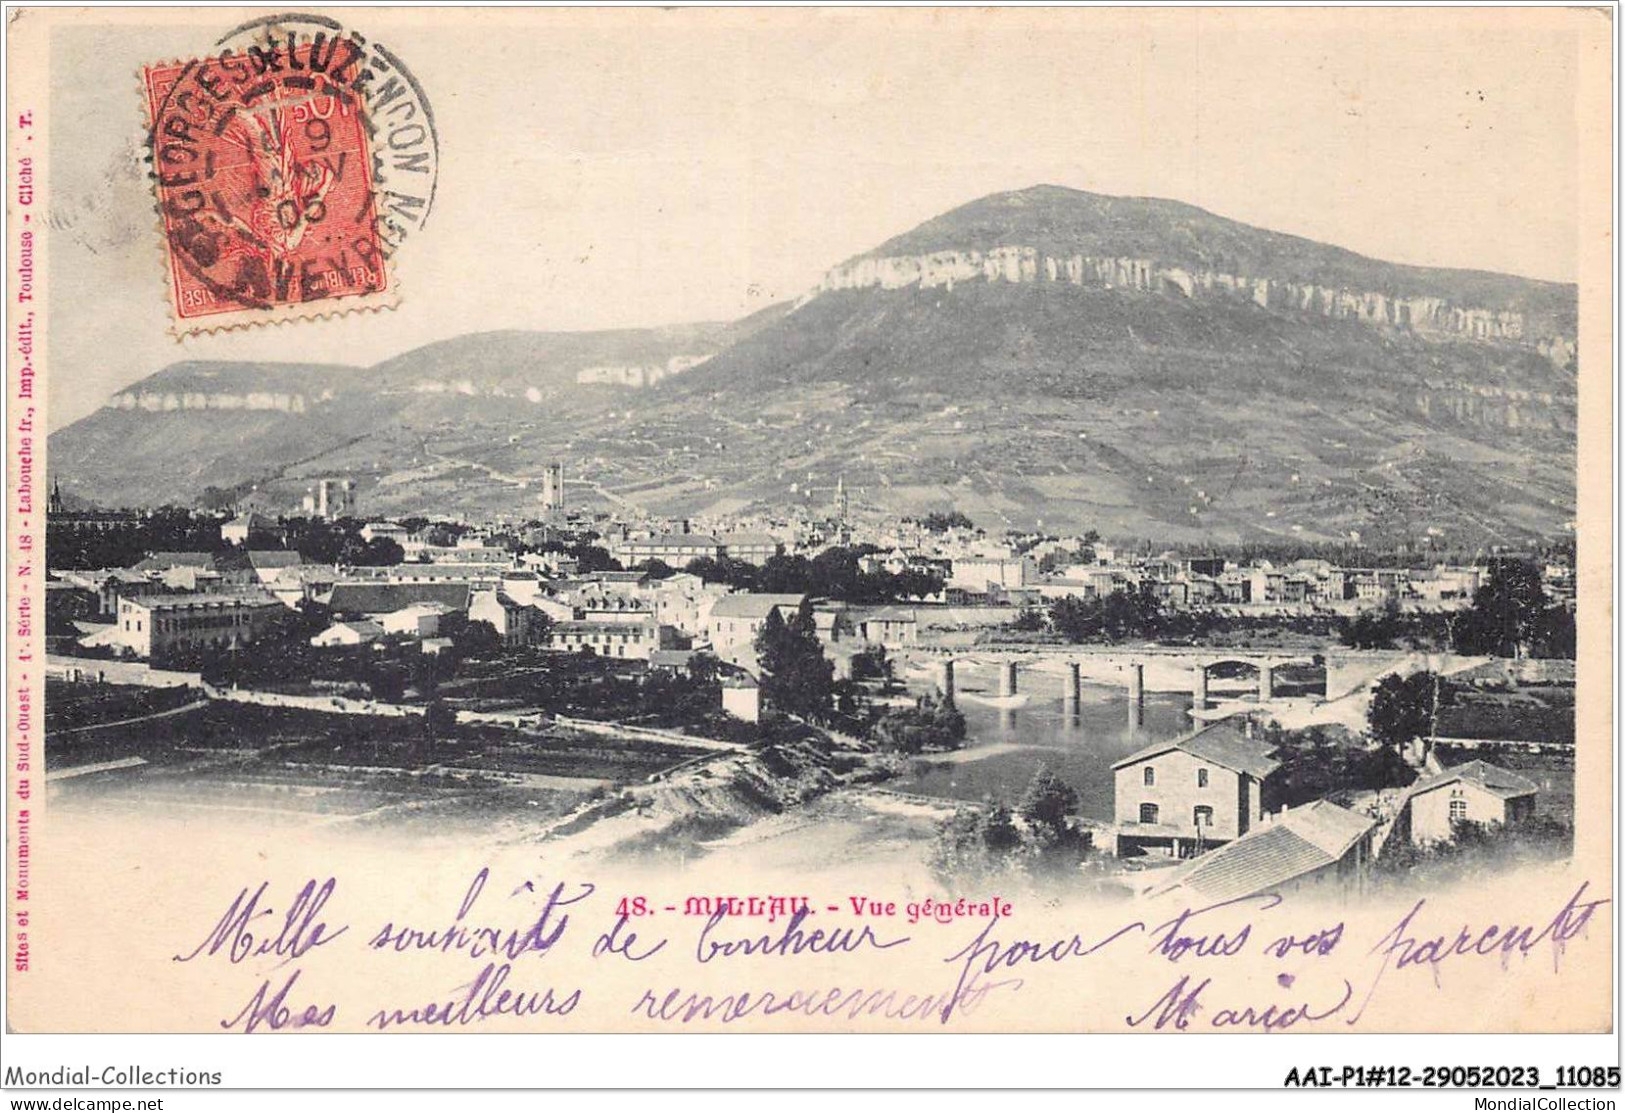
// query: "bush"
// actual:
[[1535, 841], [1319, 761], [929, 725], [1039, 838], [871, 664]]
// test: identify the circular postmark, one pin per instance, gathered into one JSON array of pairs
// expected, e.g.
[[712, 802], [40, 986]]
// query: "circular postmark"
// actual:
[[290, 165]]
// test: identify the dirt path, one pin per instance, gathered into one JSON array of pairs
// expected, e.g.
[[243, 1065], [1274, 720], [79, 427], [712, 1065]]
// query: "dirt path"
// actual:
[[181, 710]]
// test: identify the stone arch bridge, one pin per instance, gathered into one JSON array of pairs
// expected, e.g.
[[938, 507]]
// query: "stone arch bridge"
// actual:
[[1169, 668]]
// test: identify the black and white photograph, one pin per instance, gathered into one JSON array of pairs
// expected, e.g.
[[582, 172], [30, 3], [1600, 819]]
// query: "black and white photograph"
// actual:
[[1070, 520]]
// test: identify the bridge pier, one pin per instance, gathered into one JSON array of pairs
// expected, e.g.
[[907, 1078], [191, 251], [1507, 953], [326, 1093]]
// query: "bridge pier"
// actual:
[[1136, 694], [945, 682], [1007, 679], [1074, 687], [1266, 682], [1199, 689]]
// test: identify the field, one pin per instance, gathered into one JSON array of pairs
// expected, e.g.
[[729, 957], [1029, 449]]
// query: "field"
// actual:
[[291, 765], [1525, 714], [1552, 772]]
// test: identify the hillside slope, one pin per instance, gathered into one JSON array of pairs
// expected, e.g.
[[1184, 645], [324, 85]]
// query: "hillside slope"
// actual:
[[1136, 366]]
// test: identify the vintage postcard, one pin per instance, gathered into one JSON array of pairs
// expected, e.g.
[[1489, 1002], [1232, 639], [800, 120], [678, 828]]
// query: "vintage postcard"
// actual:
[[1079, 521]]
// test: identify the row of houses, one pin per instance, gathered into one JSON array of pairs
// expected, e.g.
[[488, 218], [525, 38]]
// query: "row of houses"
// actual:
[[609, 614], [1213, 798], [678, 550], [176, 601], [1194, 582]]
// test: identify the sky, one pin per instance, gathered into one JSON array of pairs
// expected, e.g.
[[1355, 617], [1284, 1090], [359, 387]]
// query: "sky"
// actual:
[[626, 168]]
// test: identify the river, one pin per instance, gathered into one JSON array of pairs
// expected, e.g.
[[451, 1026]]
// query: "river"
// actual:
[[1005, 745]]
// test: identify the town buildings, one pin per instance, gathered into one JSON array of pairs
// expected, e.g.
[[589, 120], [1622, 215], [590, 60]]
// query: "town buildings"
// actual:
[[374, 599], [751, 548], [893, 627], [515, 623], [1188, 794], [154, 625], [636, 640], [675, 550], [735, 620], [1473, 792], [1318, 848], [91, 521], [254, 528], [362, 631], [385, 531]]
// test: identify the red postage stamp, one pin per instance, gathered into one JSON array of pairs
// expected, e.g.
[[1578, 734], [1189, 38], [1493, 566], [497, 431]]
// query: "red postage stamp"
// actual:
[[264, 174]]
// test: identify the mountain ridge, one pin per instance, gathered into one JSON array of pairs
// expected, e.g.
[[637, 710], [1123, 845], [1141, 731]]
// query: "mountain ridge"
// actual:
[[1103, 388]]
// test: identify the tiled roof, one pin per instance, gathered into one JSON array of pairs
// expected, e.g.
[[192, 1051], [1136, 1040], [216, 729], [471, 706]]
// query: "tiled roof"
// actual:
[[430, 607], [192, 599], [1491, 778], [889, 614], [376, 598], [273, 558], [1252, 864], [676, 540], [589, 627], [161, 560], [1294, 843], [364, 627], [295, 574], [1223, 743], [752, 605], [1332, 829]]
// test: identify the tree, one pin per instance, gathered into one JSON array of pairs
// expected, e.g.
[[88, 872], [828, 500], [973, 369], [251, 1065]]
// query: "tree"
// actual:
[[939, 521], [796, 679], [871, 663], [311, 617], [1374, 628], [1405, 708], [1318, 761], [704, 668], [378, 552], [1046, 808], [478, 640], [931, 724], [594, 558], [1030, 620], [216, 498], [1535, 841], [1116, 617], [1047, 803], [428, 670], [1037, 838], [439, 724], [1508, 612], [783, 575], [387, 683], [1555, 636], [724, 570]]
